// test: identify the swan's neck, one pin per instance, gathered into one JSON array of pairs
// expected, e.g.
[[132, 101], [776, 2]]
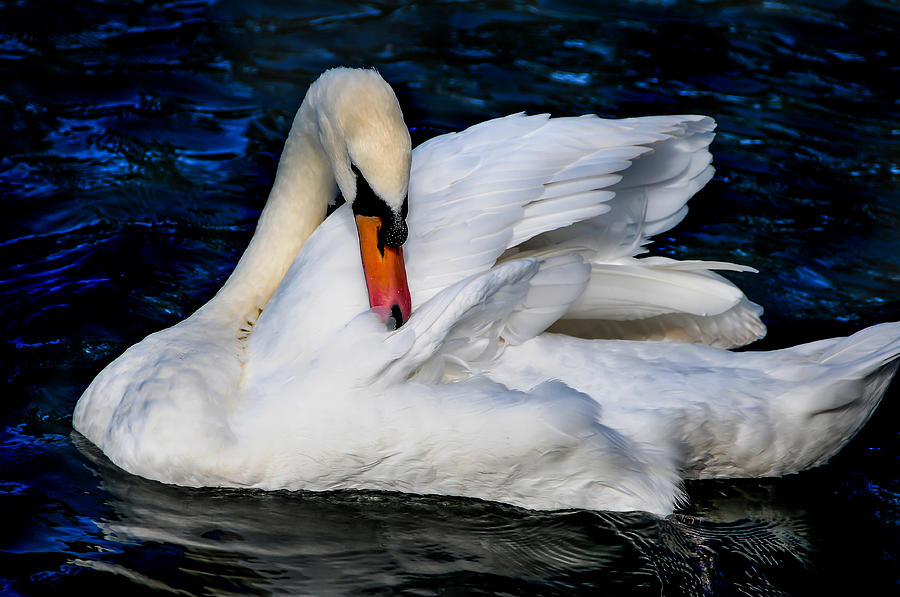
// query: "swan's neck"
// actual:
[[304, 186]]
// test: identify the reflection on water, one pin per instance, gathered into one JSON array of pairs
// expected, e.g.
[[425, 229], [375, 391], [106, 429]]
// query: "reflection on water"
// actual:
[[141, 139], [210, 541]]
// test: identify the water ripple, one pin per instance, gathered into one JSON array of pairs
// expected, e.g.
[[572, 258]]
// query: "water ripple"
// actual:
[[141, 141]]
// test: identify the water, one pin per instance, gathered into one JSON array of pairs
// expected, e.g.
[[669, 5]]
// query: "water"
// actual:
[[141, 139]]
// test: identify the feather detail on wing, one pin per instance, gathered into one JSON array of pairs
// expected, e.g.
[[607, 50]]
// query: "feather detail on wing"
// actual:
[[477, 193], [662, 299], [539, 187], [469, 323]]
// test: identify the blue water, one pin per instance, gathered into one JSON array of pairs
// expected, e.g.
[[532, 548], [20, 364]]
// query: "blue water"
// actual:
[[141, 138]]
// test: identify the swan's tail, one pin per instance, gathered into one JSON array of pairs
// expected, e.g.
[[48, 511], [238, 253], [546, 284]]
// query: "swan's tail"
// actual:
[[832, 387], [850, 373], [856, 372]]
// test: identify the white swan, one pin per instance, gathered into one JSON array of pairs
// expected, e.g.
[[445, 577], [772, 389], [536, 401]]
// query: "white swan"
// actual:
[[515, 225]]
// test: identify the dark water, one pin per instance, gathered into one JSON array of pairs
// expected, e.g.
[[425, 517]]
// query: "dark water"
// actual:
[[139, 142]]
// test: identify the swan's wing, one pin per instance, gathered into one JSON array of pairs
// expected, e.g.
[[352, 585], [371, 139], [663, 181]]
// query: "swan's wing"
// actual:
[[651, 196], [663, 299], [465, 325], [477, 193], [532, 186]]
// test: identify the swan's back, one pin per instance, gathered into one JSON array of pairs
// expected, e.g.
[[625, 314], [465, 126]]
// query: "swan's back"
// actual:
[[726, 414]]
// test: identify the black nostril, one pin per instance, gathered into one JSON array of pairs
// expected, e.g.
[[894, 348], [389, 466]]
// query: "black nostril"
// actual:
[[397, 315]]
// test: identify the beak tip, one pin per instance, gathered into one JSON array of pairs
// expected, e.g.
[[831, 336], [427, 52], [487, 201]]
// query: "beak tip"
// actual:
[[397, 316]]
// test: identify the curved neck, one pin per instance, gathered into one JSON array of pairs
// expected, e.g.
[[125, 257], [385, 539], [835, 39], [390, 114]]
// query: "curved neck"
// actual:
[[304, 186]]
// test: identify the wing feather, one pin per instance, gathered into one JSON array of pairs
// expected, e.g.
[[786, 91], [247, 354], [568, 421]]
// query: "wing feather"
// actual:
[[535, 187]]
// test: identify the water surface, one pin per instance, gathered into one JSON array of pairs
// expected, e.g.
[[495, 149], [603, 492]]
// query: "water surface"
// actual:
[[140, 142]]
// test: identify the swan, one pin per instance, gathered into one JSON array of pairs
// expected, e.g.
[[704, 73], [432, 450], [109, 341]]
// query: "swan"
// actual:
[[499, 340]]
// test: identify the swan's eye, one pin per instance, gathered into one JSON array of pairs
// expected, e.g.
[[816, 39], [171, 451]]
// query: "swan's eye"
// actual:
[[393, 231]]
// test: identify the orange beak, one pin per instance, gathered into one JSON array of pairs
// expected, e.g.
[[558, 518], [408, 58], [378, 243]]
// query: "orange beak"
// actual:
[[385, 272]]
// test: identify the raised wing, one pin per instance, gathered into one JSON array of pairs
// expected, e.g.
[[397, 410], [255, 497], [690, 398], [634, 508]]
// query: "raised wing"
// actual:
[[536, 187]]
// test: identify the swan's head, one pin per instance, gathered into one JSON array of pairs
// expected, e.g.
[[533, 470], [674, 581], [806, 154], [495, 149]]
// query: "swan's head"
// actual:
[[367, 144]]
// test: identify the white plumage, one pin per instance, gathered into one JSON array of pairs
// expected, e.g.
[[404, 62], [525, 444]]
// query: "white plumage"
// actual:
[[516, 225]]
